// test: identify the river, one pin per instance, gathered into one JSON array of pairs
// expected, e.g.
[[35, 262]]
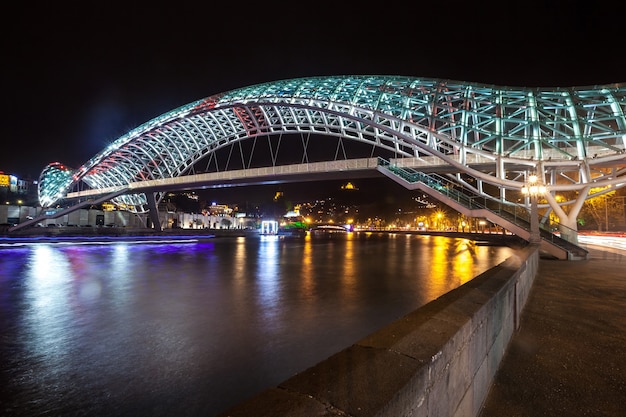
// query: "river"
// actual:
[[192, 328]]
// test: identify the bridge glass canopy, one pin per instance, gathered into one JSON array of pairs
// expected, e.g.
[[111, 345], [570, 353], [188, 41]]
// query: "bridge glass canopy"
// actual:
[[495, 134]]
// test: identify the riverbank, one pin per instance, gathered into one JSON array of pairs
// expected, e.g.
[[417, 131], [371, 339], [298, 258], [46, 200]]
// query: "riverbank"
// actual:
[[121, 231], [106, 234]]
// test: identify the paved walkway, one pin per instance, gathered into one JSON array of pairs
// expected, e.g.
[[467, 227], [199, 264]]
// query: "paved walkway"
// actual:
[[569, 356]]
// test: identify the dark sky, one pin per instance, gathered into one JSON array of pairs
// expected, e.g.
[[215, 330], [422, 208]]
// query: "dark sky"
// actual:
[[75, 78]]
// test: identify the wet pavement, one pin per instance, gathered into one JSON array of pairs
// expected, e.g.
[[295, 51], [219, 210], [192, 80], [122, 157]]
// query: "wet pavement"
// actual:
[[568, 357]]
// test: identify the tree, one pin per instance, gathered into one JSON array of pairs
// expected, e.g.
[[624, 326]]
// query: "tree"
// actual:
[[604, 211]]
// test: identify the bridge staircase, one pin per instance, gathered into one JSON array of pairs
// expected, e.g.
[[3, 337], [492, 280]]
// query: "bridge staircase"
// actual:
[[514, 218]]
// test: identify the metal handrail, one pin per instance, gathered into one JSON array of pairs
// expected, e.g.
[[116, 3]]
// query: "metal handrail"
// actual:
[[514, 213]]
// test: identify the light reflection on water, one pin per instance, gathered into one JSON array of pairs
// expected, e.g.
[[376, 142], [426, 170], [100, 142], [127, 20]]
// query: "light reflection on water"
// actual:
[[191, 329]]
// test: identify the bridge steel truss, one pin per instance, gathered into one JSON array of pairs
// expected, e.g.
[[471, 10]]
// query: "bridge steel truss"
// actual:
[[488, 139]]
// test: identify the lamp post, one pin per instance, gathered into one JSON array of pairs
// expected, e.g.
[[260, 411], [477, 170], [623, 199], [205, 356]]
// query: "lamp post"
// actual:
[[19, 211], [533, 189]]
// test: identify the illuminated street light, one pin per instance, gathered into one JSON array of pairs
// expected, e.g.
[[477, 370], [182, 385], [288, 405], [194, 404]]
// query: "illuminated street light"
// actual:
[[534, 189]]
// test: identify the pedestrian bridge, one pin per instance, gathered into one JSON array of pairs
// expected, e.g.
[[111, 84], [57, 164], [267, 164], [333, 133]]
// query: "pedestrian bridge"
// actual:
[[484, 141]]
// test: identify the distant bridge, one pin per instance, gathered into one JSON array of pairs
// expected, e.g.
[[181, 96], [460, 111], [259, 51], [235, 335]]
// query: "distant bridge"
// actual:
[[484, 139]]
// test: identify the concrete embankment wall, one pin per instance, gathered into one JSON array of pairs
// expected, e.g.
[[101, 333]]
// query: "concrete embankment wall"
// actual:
[[437, 361]]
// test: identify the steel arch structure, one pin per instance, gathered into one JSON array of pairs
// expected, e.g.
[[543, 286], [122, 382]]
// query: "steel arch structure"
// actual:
[[490, 137]]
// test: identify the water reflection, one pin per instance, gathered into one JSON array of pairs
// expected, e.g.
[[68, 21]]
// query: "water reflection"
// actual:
[[306, 270], [191, 329], [48, 296], [267, 279]]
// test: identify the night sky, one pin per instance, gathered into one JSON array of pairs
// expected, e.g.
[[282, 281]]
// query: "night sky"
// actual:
[[75, 79]]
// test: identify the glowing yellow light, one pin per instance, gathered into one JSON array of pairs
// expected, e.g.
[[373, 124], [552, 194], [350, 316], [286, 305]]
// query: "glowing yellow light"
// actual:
[[533, 187]]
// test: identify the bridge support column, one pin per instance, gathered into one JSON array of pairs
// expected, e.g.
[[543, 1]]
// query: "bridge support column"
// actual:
[[567, 221], [154, 212]]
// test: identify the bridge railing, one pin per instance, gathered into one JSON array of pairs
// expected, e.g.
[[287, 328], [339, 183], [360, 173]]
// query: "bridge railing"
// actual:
[[456, 192], [516, 214]]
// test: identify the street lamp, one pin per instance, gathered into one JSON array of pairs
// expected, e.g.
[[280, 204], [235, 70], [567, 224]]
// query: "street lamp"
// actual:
[[534, 189]]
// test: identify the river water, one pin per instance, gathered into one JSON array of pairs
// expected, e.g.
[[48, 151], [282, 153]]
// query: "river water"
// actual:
[[191, 328]]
